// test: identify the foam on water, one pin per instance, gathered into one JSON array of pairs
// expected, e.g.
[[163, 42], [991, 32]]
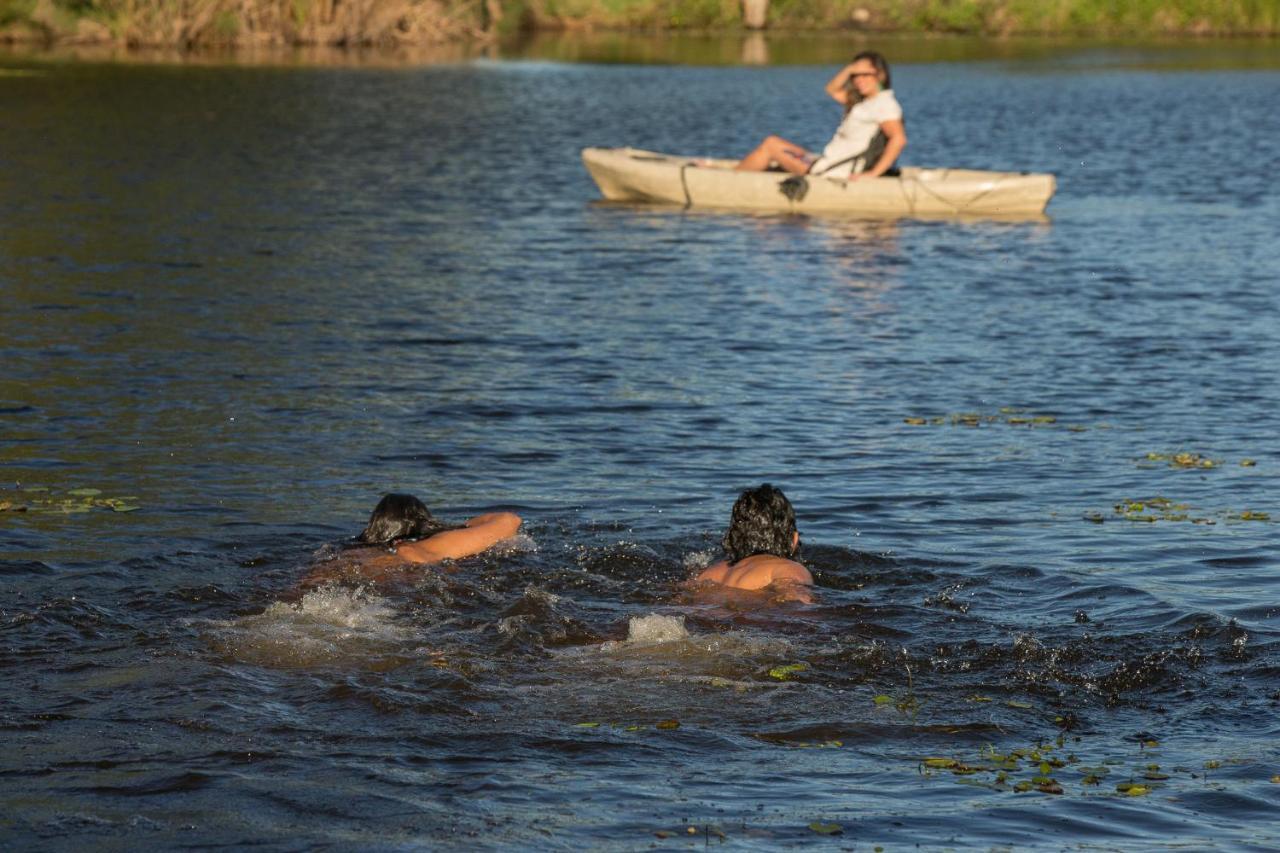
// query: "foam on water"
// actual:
[[330, 625], [518, 544], [656, 628]]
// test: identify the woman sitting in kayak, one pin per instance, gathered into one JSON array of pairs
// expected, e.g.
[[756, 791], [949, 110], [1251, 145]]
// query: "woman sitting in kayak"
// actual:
[[407, 534], [854, 152]]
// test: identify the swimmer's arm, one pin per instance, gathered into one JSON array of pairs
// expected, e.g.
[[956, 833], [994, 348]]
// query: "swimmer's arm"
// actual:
[[478, 534]]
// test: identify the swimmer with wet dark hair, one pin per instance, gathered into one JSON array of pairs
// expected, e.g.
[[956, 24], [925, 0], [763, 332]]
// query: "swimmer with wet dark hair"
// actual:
[[409, 534], [760, 547]]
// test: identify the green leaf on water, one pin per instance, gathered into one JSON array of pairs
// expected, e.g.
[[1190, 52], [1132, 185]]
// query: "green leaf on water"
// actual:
[[979, 698], [85, 493], [826, 828], [125, 507], [784, 672], [1014, 703], [587, 725], [943, 763], [668, 724], [1248, 463], [1132, 789], [883, 699], [1022, 787]]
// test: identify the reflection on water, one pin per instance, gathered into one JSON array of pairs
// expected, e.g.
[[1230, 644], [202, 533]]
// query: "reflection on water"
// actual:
[[253, 299]]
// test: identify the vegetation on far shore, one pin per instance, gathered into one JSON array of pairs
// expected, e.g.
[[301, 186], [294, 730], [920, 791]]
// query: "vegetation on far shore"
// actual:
[[245, 23]]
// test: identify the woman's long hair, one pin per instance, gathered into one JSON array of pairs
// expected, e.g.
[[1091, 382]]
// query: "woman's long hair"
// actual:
[[763, 522], [399, 517], [877, 60]]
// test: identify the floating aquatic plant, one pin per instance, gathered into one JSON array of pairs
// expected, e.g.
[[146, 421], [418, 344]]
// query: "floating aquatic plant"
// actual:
[[826, 828], [1184, 459], [41, 499], [1151, 510], [785, 671], [1008, 415]]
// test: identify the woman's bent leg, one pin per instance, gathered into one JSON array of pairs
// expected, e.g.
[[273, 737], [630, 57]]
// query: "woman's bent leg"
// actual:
[[794, 158]]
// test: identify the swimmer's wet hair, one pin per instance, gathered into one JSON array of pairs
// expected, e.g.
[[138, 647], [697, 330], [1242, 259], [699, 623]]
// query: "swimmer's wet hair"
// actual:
[[763, 522], [399, 517]]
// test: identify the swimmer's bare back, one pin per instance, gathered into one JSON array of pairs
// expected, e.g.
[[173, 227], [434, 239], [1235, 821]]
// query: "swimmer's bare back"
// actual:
[[760, 572], [379, 566]]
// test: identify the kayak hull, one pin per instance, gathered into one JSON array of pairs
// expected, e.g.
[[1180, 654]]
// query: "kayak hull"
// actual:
[[631, 174]]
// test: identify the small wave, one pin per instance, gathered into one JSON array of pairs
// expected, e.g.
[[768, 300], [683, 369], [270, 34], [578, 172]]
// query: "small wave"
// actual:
[[521, 543], [656, 628], [331, 625], [536, 622], [698, 560]]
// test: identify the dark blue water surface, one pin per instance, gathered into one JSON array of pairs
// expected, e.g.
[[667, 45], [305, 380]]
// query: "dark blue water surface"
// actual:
[[249, 300]]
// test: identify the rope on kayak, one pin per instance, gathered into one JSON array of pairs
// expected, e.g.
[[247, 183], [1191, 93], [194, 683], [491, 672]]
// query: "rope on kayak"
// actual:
[[961, 207], [684, 184]]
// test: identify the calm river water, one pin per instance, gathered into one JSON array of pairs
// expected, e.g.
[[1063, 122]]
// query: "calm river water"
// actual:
[[249, 300]]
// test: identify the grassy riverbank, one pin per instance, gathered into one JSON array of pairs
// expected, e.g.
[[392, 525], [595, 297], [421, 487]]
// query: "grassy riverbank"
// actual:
[[186, 23]]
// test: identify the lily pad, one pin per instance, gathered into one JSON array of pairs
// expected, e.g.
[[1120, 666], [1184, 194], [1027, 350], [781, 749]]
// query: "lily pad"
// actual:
[[826, 828], [668, 724], [85, 493], [1132, 789], [784, 672], [882, 699]]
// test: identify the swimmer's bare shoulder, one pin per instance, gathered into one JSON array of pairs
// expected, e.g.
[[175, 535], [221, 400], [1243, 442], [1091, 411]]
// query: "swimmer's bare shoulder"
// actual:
[[760, 571]]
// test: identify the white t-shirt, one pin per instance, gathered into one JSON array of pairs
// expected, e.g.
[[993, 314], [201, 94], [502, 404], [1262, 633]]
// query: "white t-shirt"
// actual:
[[855, 133]]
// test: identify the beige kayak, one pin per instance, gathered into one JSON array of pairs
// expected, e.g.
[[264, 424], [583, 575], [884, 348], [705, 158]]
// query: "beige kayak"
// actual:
[[629, 174]]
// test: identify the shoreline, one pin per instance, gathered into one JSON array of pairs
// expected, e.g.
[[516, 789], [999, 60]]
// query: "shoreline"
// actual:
[[415, 25], [776, 48]]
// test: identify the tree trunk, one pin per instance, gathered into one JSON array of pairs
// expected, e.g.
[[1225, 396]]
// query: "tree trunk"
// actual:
[[755, 13]]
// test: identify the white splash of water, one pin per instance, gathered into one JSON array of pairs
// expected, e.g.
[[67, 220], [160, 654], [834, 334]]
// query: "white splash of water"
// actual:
[[330, 625], [698, 560], [656, 628], [519, 544]]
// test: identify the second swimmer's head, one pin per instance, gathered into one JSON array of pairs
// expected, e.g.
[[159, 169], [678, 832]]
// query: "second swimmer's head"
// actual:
[[398, 517]]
